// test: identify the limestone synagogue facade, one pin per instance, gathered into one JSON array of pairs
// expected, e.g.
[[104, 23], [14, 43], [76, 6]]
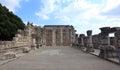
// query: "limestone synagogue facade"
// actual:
[[58, 35]]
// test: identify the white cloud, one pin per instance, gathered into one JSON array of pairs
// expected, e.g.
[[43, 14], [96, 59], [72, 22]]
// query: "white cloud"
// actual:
[[48, 7], [75, 12], [91, 12], [41, 15], [114, 22], [78, 13], [110, 4], [12, 4], [27, 0], [82, 14]]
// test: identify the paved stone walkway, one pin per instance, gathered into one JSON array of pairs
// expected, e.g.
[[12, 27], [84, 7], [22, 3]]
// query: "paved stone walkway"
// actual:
[[59, 58]]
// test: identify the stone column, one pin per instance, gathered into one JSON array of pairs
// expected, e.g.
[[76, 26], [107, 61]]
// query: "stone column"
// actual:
[[53, 37], [76, 39], [89, 41], [61, 38], [71, 37], [104, 41], [117, 41], [44, 37], [82, 40], [74, 36]]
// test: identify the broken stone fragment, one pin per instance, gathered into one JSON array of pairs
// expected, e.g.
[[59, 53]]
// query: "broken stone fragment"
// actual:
[[26, 49], [8, 55]]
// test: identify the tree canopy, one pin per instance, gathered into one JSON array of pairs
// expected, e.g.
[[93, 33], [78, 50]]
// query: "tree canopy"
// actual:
[[9, 24]]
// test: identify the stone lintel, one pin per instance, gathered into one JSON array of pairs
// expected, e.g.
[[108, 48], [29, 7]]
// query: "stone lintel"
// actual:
[[105, 29], [114, 29]]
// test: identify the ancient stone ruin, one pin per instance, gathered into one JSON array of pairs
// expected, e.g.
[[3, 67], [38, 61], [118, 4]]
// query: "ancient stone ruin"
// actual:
[[109, 46], [36, 36], [33, 37]]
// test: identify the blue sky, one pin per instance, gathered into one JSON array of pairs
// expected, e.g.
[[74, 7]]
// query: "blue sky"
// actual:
[[82, 14]]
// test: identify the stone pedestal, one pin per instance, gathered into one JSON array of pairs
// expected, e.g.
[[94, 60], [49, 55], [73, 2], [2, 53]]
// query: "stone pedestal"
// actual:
[[89, 41]]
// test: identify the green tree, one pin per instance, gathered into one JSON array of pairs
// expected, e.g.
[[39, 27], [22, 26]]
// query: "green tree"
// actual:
[[9, 24]]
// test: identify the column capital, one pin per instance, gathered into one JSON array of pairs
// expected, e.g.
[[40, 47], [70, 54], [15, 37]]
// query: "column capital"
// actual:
[[89, 32], [82, 35]]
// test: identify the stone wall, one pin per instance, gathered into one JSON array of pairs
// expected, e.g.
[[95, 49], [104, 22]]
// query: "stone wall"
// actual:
[[18, 42], [22, 39], [6, 44]]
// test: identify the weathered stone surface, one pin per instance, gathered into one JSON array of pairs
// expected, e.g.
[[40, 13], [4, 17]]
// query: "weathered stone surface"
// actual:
[[114, 29], [8, 55], [89, 41], [95, 39], [81, 40], [105, 29], [117, 38], [26, 49], [58, 35], [106, 48], [89, 32]]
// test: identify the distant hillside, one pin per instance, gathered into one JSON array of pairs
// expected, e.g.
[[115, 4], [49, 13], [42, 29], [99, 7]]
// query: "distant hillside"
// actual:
[[9, 24]]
